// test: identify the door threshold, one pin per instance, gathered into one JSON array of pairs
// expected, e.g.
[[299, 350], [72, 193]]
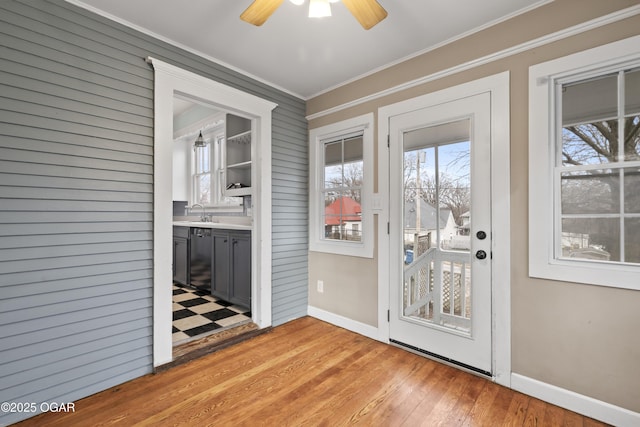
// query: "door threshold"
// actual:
[[208, 344], [446, 360]]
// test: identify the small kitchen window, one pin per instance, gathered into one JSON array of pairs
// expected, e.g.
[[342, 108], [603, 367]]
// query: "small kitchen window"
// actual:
[[584, 167], [202, 174], [207, 178], [341, 187]]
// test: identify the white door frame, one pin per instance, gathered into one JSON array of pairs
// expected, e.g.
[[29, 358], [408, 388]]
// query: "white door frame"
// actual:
[[498, 87], [170, 80]]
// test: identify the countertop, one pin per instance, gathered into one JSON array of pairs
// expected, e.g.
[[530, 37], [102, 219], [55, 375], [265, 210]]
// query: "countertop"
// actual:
[[222, 225]]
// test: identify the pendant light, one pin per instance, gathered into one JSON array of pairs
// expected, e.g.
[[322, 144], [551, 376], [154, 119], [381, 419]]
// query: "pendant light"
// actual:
[[199, 142]]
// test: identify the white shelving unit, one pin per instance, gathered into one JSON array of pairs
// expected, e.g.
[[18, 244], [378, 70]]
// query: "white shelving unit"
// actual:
[[238, 153]]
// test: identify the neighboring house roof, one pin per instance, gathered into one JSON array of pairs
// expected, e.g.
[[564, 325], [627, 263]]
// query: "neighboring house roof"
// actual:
[[345, 206], [427, 215]]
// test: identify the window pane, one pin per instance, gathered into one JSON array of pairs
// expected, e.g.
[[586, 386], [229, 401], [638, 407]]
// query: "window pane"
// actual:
[[590, 144], [632, 113], [204, 189], [632, 92], [206, 158], [632, 138], [632, 191], [454, 166], [333, 165], [203, 157], [353, 165], [632, 240], [591, 238], [198, 160], [590, 100], [332, 213], [342, 216], [419, 162], [333, 176], [590, 121], [353, 150], [333, 153], [590, 192]]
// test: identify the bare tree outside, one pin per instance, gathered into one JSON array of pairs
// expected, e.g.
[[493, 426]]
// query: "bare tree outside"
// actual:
[[350, 182], [600, 192], [595, 143], [452, 186]]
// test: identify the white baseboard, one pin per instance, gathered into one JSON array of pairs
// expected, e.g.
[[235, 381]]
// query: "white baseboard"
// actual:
[[344, 322], [579, 403]]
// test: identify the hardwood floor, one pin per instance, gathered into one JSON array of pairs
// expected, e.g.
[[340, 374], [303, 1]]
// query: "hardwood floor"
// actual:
[[310, 373]]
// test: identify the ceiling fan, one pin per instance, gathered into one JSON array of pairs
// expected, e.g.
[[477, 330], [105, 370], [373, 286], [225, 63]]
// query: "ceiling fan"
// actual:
[[367, 12]]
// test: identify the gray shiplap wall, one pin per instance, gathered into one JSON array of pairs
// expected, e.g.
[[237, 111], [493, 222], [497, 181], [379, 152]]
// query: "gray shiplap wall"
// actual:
[[76, 200]]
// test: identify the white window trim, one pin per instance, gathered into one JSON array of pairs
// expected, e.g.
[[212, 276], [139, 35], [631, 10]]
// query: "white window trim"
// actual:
[[364, 248], [542, 78]]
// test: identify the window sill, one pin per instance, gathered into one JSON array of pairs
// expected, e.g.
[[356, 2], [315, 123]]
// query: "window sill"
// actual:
[[588, 272]]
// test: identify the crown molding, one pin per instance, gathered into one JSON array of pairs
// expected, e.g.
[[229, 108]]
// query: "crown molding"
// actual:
[[523, 47]]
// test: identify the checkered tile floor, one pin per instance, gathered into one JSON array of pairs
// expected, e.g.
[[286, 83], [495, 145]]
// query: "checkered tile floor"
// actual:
[[197, 313]]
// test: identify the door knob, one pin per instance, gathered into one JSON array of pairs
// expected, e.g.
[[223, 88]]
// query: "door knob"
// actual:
[[481, 254], [481, 235]]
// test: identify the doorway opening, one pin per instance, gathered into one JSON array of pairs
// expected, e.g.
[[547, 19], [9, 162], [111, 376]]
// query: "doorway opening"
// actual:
[[206, 299], [171, 82]]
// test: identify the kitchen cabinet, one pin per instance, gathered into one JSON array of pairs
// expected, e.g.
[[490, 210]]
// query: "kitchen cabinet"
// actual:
[[238, 155], [231, 280], [181, 255]]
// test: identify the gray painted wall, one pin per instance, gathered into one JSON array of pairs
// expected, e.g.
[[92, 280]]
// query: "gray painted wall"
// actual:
[[76, 200]]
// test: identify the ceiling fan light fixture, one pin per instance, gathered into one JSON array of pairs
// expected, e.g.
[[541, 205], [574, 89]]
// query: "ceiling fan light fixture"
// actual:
[[368, 12], [319, 8]]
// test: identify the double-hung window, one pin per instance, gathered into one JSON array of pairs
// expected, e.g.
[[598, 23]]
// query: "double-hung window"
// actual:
[[584, 167], [208, 173], [341, 220], [203, 174]]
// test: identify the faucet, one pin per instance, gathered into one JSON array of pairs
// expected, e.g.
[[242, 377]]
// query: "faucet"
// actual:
[[203, 218]]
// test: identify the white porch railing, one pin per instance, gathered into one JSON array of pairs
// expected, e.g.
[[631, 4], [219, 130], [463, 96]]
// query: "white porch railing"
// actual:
[[437, 289]]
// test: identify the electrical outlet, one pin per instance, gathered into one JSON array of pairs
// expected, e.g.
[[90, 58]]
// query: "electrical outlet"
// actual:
[[320, 286]]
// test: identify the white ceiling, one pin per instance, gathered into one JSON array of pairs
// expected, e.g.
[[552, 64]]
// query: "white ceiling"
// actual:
[[306, 56]]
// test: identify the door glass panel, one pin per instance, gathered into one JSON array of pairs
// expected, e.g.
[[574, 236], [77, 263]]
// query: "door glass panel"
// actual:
[[437, 220]]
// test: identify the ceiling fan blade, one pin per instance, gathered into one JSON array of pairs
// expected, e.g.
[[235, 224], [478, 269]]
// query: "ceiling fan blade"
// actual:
[[259, 11], [367, 12]]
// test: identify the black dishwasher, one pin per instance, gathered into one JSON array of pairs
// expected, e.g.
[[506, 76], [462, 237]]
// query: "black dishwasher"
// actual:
[[200, 265]]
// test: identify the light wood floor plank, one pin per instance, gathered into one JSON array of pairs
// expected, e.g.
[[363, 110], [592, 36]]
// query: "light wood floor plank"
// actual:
[[310, 373], [517, 411]]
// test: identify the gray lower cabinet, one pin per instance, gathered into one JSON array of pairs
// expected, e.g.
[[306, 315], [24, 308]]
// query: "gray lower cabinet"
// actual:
[[181, 255], [231, 279]]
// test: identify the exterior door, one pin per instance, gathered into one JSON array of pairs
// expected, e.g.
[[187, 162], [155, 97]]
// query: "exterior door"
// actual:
[[440, 200]]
